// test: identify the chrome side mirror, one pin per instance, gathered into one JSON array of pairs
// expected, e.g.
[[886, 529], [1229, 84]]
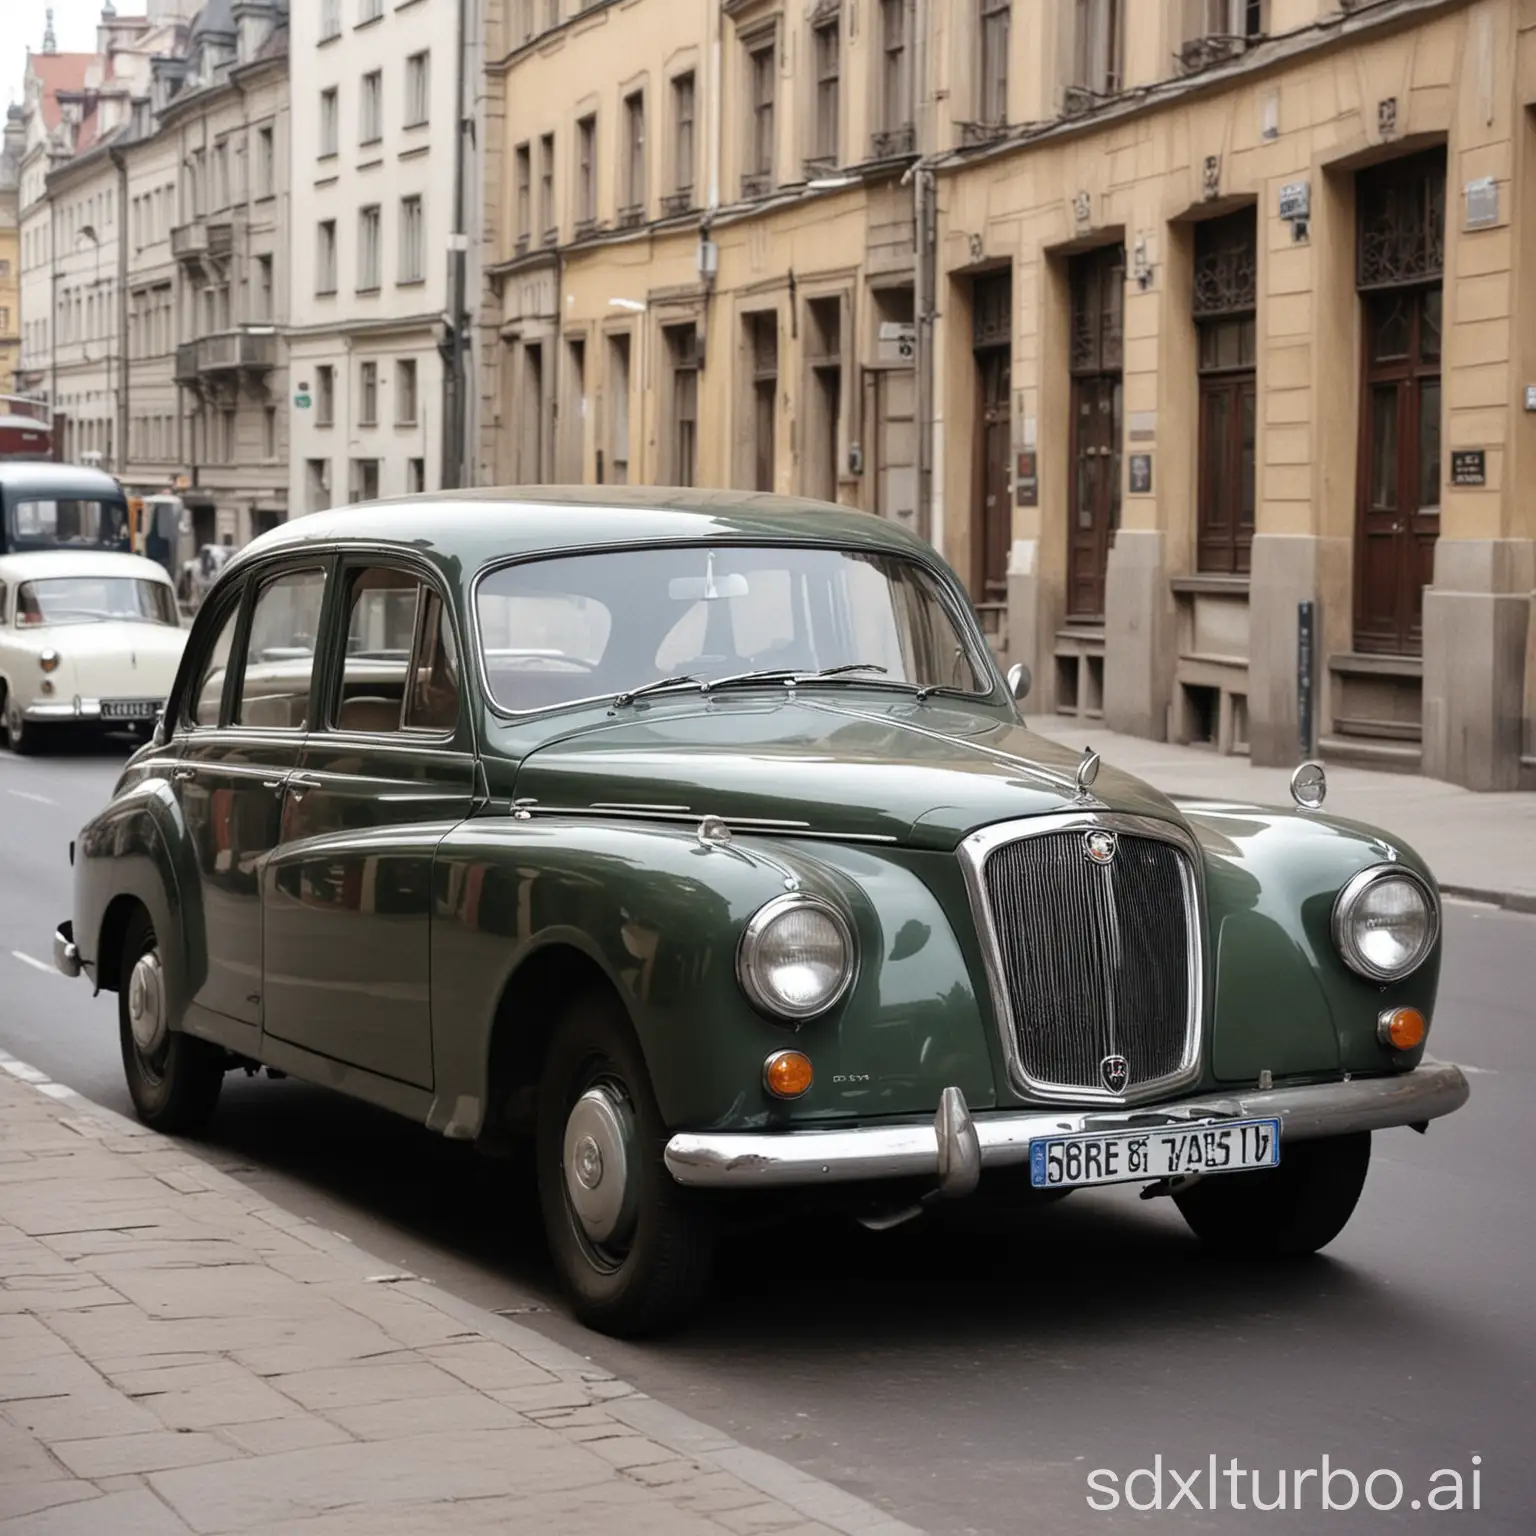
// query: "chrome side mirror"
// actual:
[[1019, 681]]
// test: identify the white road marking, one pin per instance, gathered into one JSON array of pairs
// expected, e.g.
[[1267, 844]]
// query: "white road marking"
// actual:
[[22, 794], [23, 1073], [37, 965], [1478, 1071]]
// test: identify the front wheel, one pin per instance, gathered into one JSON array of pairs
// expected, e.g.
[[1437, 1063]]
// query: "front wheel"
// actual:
[[173, 1078], [1283, 1212], [20, 737], [633, 1248]]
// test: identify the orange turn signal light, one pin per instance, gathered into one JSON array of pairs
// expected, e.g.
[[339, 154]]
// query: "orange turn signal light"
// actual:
[[787, 1074], [1401, 1028]]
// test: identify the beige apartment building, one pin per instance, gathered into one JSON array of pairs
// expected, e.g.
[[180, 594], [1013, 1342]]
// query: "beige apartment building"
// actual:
[[1214, 314], [12, 147]]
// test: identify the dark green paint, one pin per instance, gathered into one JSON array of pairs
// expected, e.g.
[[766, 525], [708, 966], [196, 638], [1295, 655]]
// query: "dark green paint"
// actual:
[[396, 905]]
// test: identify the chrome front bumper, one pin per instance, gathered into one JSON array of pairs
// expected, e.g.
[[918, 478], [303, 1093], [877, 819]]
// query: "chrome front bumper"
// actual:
[[61, 711], [956, 1145], [65, 955]]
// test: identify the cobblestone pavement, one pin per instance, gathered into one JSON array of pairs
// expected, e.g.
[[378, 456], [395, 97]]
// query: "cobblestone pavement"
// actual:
[[178, 1355]]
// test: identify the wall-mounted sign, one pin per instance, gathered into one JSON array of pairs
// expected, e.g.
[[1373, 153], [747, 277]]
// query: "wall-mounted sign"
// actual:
[[1141, 474], [897, 343], [1530, 397], [1482, 203], [1469, 466], [301, 401], [1296, 200], [1026, 481]]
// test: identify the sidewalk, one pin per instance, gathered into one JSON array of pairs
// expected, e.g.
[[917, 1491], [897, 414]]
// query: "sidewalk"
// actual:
[[1479, 845], [178, 1355]]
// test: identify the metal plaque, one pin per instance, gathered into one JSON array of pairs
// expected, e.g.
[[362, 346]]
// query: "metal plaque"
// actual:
[[1026, 481], [1469, 466], [1141, 474], [1296, 200], [1482, 203]]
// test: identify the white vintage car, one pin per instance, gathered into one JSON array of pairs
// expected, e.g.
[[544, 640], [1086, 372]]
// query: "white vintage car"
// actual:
[[87, 640]]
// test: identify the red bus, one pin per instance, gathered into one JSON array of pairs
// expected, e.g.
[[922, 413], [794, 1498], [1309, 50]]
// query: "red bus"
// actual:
[[26, 428]]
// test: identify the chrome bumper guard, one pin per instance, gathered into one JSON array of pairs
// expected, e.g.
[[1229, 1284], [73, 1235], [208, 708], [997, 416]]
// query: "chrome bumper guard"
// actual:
[[65, 956], [955, 1145]]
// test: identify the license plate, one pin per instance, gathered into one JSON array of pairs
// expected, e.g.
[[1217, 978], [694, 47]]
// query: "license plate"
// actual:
[[129, 709], [1164, 1152]]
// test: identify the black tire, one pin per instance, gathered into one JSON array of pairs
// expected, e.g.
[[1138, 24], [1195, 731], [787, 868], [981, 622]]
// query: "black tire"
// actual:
[[656, 1276], [175, 1086], [1286, 1212], [23, 739]]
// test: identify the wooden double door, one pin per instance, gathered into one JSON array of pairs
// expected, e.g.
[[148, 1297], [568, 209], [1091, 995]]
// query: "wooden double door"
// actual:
[[1095, 512]]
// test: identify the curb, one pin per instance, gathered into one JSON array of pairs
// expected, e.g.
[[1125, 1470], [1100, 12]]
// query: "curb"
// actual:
[[813, 1498], [1507, 901]]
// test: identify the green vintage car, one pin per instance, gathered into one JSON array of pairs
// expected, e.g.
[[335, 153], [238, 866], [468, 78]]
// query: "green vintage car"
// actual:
[[697, 837]]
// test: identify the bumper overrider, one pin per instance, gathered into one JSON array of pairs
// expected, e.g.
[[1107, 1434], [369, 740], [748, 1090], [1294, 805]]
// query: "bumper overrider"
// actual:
[[955, 1145]]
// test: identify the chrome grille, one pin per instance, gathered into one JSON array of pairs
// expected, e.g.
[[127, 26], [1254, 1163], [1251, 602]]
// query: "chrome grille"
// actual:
[[1094, 960]]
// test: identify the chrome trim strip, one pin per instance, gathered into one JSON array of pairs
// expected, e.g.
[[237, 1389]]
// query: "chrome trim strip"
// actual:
[[974, 851], [765, 1160], [761, 826]]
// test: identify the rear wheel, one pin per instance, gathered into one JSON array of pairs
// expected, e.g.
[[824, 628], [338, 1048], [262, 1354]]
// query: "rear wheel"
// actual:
[[173, 1078], [1283, 1212], [633, 1248]]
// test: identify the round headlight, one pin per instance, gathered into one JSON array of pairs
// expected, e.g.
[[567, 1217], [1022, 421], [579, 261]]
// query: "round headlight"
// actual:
[[796, 957], [48, 660], [1385, 922]]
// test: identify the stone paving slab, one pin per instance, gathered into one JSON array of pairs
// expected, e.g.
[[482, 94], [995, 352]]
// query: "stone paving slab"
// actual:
[[179, 1356]]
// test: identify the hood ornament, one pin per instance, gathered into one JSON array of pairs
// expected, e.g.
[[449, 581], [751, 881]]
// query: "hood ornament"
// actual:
[[1087, 772]]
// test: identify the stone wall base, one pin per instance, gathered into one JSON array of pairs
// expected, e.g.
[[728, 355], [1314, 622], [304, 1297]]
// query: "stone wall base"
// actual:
[[1139, 635]]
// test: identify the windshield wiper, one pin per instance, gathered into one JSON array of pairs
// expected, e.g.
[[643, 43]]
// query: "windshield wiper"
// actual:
[[761, 675], [631, 694], [851, 666]]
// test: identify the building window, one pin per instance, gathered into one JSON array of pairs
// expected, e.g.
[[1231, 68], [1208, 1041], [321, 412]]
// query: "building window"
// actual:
[[418, 105], [405, 392], [826, 41], [370, 122], [895, 135], [369, 10], [364, 484], [263, 288], [548, 219], [330, 123], [762, 81], [633, 211], [586, 175], [992, 63], [330, 22], [763, 352], [1216, 30], [412, 241], [522, 195], [683, 152], [682, 343], [1225, 297], [570, 465], [415, 476], [317, 484], [1097, 43], [269, 432], [325, 395], [226, 437], [266, 163], [368, 395], [368, 227], [618, 409], [325, 257]]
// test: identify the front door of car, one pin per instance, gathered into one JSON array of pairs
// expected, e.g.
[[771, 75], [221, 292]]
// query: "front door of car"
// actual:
[[241, 725], [386, 774]]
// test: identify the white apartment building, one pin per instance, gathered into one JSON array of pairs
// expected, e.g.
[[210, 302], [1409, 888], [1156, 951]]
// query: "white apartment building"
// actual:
[[373, 86]]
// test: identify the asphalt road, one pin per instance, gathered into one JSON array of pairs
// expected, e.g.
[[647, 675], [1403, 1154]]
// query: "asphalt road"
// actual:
[[969, 1377]]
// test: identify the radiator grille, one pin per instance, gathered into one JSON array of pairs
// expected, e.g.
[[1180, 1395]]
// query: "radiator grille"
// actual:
[[1095, 958]]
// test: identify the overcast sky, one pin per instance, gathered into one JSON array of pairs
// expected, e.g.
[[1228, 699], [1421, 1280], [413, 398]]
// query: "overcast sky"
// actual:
[[74, 23]]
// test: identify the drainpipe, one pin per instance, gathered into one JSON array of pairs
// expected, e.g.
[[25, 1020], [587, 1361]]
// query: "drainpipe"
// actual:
[[123, 372], [716, 110], [455, 387], [923, 285]]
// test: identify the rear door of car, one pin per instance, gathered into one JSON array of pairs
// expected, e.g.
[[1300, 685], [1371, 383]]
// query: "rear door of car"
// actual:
[[387, 772], [239, 731]]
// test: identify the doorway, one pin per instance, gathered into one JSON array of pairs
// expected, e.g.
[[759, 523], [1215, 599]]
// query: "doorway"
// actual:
[[992, 515], [1096, 359]]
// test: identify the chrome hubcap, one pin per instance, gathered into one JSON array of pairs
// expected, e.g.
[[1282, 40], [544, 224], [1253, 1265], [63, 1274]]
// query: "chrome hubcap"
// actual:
[[598, 1163], [146, 1004]]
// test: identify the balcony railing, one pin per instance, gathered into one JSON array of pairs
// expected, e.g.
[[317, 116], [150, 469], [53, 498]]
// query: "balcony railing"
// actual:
[[236, 349], [186, 362], [631, 215], [677, 202], [888, 143], [202, 237], [756, 183]]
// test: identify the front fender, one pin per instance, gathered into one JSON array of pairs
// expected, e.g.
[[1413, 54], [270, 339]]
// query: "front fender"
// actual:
[[662, 915], [138, 847], [1284, 1001]]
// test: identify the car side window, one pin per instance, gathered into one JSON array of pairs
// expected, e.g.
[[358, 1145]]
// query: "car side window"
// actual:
[[280, 652], [201, 710], [432, 704], [4, 603], [383, 611]]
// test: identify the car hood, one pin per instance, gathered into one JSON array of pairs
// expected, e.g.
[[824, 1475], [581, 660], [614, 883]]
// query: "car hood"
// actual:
[[921, 774], [112, 660]]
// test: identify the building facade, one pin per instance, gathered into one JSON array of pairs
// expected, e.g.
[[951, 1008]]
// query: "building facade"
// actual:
[[375, 91], [1190, 331], [12, 148]]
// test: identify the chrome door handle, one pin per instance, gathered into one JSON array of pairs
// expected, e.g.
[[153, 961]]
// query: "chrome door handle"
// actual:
[[299, 785], [181, 775], [273, 784]]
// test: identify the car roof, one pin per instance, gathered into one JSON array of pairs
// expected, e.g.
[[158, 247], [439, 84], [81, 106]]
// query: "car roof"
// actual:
[[42, 564], [471, 528], [43, 475]]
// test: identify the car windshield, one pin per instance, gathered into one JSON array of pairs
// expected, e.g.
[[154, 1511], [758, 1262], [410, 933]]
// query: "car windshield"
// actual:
[[67, 523], [558, 630], [95, 600]]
